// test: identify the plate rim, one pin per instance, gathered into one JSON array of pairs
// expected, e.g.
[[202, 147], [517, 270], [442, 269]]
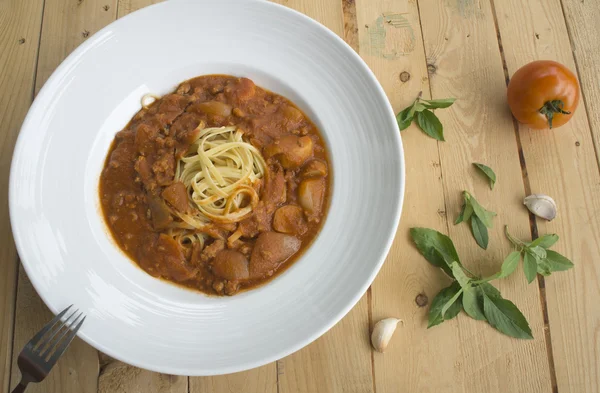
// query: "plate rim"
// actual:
[[20, 243]]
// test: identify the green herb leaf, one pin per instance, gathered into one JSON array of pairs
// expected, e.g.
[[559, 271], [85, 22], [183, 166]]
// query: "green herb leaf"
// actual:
[[404, 118], [436, 247], [529, 267], [459, 274], [504, 316], [438, 104], [537, 251], [465, 213], [490, 290], [430, 124], [484, 215], [451, 303], [480, 232], [543, 267], [488, 172], [545, 241], [510, 264], [557, 262], [439, 301], [472, 302]]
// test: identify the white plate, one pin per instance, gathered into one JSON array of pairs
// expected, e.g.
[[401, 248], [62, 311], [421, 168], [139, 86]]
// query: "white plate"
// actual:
[[54, 204]]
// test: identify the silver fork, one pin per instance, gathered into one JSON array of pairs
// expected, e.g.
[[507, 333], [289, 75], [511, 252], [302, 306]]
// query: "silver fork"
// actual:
[[42, 352]]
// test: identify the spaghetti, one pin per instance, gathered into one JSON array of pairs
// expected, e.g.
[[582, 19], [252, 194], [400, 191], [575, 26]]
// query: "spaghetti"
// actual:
[[221, 173]]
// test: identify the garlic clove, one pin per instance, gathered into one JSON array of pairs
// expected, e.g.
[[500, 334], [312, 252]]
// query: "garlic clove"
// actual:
[[383, 332], [541, 205]]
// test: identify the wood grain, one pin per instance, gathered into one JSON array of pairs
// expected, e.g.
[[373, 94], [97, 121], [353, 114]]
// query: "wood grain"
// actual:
[[258, 380], [583, 25], [395, 54], [463, 354], [67, 23], [562, 163], [20, 23], [118, 377], [129, 6], [465, 62]]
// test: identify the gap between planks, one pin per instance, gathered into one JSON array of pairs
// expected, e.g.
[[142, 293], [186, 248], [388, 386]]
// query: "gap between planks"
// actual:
[[532, 219]]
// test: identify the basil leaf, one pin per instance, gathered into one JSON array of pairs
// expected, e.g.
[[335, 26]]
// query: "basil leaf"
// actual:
[[484, 215], [545, 241], [505, 317], [510, 264], [472, 302], [459, 274], [430, 124], [480, 232], [417, 107], [557, 262], [530, 267], [436, 247], [465, 214], [543, 267], [537, 251], [461, 216], [490, 290], [405, 117], [439, 103], [451, 303], [488, 172], [439, 301]]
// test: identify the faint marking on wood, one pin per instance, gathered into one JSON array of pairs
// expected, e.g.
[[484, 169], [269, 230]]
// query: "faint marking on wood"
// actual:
[[350, 27], [20, 23], [118, 377], [569, 173], [390, 36]]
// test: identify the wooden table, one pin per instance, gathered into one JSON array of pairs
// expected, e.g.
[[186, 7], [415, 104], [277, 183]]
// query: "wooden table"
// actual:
[[444, 48]]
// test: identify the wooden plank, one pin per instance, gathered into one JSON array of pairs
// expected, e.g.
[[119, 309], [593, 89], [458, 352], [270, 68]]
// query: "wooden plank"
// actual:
[[562, 163], [390, 42], [118, 377], [340, 360], [462, 61], [129, 6], [66, 24], [258, 380], [582, 24], [19, 42]]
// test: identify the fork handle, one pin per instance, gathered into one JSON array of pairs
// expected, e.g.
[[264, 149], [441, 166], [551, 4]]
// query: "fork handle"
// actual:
[[20, 388]]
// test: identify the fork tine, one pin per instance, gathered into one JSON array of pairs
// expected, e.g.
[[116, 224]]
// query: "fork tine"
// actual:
[[65, 344], [48, 341], [34, 341], [67, 325]]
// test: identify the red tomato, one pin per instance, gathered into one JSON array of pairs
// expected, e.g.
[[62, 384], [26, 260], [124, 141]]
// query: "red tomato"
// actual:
[[543, 94]]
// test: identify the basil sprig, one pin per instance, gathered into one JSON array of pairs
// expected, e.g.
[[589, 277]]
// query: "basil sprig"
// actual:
[[428, 122]]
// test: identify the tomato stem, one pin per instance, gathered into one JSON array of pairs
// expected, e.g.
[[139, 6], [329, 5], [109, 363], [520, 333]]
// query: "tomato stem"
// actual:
[[552, 107]]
